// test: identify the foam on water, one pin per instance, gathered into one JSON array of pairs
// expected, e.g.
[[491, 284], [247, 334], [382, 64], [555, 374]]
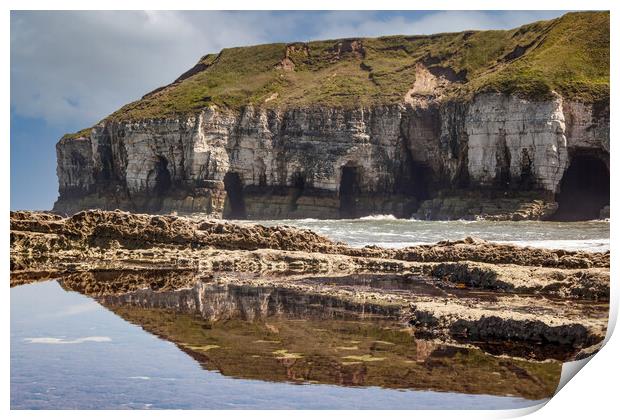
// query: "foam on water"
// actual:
[[388, 231], [594, 245], [379, 217]]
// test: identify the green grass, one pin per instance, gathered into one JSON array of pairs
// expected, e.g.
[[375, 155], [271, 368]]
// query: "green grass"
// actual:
[[572, 58], [82, 133], [569, 55]]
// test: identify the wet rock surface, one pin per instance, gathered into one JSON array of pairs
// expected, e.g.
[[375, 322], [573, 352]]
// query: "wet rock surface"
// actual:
[[38, 234], [504, 299], [277, 333]]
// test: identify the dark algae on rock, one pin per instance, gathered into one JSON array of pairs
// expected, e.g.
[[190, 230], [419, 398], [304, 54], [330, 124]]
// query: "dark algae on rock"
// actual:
[[457, 125], [529, 303], [235, 332], [499, 125]]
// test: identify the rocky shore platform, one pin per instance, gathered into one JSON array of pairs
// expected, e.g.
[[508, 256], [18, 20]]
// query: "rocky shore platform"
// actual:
[[522, 302]]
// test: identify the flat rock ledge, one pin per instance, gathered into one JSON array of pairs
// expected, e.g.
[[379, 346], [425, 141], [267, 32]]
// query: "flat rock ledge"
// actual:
[[525, 302]]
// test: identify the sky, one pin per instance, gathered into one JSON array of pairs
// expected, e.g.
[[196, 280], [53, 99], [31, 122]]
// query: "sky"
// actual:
[[71, 69]]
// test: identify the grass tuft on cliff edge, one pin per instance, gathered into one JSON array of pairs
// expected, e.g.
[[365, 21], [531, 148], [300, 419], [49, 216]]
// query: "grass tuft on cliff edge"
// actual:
[[569, 55]]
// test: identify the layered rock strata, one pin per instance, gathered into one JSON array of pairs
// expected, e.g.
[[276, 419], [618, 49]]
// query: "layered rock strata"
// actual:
[[543, 303], [274, 332], [329, 162]]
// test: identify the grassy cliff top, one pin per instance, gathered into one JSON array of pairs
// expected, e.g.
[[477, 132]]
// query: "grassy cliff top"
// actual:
[[569, 54]]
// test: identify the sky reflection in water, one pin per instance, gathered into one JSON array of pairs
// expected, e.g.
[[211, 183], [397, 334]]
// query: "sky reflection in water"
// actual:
[[67, 351]]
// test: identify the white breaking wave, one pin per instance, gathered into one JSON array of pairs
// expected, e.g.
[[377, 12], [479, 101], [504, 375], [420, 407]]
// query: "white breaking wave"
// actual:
[[462, 221], [379, 217], [591, 245], [387, 231], [595, 245]]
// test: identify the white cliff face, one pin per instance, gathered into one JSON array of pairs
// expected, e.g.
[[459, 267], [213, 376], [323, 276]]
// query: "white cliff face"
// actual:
[[262, 147], [207, 150], [75, 165], [584, 128], [291, 163], [146, 144], [522, 138], [277, 148]]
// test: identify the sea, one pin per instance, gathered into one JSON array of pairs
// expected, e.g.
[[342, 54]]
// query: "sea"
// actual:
[[71, 351]]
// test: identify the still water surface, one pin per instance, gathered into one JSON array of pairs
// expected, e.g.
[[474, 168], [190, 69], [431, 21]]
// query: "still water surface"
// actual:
[[69, 350]]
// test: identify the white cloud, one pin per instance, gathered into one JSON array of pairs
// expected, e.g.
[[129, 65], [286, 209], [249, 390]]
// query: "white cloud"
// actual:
[[53, 340], [80, 66], [77, 67]]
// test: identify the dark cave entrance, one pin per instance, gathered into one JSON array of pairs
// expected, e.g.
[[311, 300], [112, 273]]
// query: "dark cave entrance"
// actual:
[[299, 184], [349, 190], [584, 189], [234, 194], [416, 178], [421, 176], [163, 180]]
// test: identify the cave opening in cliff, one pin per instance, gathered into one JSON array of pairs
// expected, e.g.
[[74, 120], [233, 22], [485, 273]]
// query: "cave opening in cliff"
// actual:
[[584, 189], [235, 201], [421, 176], [163, 180], [299, 184], [349, 190]]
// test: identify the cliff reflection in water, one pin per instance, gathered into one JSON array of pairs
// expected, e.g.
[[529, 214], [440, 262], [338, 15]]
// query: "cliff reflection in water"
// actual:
[[281, 334]]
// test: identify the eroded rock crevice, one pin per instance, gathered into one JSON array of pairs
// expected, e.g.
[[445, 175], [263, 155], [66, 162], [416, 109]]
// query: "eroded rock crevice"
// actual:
[[235, 199], [504, 299], [584, 190], [349, 191], [411, 155]]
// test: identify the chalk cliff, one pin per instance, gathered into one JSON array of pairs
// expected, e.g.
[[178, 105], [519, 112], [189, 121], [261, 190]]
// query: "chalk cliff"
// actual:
[[447, 145]]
